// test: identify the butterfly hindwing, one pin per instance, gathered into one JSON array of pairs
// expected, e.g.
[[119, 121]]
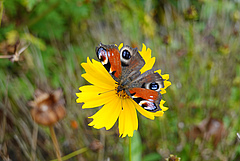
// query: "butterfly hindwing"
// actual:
[[145, 90], [146, 98]]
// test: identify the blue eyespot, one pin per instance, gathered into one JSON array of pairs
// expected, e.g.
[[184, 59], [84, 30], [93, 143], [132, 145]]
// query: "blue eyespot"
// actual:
[[101, 54], [154, 86]]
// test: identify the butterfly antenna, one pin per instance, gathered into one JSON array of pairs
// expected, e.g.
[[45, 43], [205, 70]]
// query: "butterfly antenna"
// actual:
[[106, 92]]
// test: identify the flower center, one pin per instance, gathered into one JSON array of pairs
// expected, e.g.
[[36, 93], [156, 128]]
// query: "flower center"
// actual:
[[122, 94], [120, 91]]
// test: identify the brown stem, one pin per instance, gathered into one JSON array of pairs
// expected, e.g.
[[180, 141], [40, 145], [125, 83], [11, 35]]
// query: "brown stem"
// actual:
[[1, 11], [34, 141], [55, 142]]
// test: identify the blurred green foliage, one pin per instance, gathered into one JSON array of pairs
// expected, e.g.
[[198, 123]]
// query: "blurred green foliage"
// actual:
[[196, 42]]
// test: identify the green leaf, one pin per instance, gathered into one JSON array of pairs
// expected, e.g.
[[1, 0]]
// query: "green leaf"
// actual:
[[34, 40], [136, 147], [152, 157], [29, 4]]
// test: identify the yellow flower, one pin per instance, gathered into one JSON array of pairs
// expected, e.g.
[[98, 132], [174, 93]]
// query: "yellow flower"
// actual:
[[103, 93]]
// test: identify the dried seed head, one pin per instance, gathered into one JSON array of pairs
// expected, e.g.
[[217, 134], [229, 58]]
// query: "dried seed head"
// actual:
[[224, 49], [236, 16], [96, 145], [173, 158], [209, 128], [48, 108], [191, 13], [167, 39]]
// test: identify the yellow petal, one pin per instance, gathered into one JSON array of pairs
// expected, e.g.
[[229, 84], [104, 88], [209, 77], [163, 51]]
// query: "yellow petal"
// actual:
[[120, 46], [165, 82], [163, 91], [96, 74], [163, 107], [128, 119], [94, 66], [159, 113], [149, 60], [107, 115], [162, 102], [88, 92], [92, 88], [148, 65], [121, 123], [98, 101], [143, 47], [93, 96], [165, 76]]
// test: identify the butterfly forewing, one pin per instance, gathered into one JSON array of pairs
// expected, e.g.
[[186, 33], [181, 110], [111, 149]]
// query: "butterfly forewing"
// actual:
[[131, 62], [109, 56]]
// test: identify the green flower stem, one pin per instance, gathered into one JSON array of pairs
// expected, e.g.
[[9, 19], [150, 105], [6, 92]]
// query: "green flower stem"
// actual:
[[167, 50], [191, 42], [55, 142], [130, 149], [75, 153]]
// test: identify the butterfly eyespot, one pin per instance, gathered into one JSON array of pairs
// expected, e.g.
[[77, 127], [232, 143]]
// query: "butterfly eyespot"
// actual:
[[154, 86], [126, 54], [102, 55]]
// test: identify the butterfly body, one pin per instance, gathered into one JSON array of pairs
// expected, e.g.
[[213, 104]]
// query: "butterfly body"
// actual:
[[124, 66]]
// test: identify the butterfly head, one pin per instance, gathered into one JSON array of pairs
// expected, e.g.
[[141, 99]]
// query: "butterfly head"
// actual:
[[121, 92]]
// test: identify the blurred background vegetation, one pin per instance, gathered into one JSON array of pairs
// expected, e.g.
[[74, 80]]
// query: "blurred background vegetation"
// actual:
[[196, 42]]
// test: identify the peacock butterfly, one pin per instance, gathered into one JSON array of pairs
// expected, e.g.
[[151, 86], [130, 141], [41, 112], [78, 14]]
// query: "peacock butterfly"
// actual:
[[124, 66]]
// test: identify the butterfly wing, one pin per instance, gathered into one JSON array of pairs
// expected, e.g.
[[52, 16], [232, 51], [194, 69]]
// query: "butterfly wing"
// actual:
[[109, 56], [145, 90], [131, 62], [123, 65]]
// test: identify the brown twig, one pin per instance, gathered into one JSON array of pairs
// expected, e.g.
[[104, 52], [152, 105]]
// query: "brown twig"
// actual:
[[55, 142]]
